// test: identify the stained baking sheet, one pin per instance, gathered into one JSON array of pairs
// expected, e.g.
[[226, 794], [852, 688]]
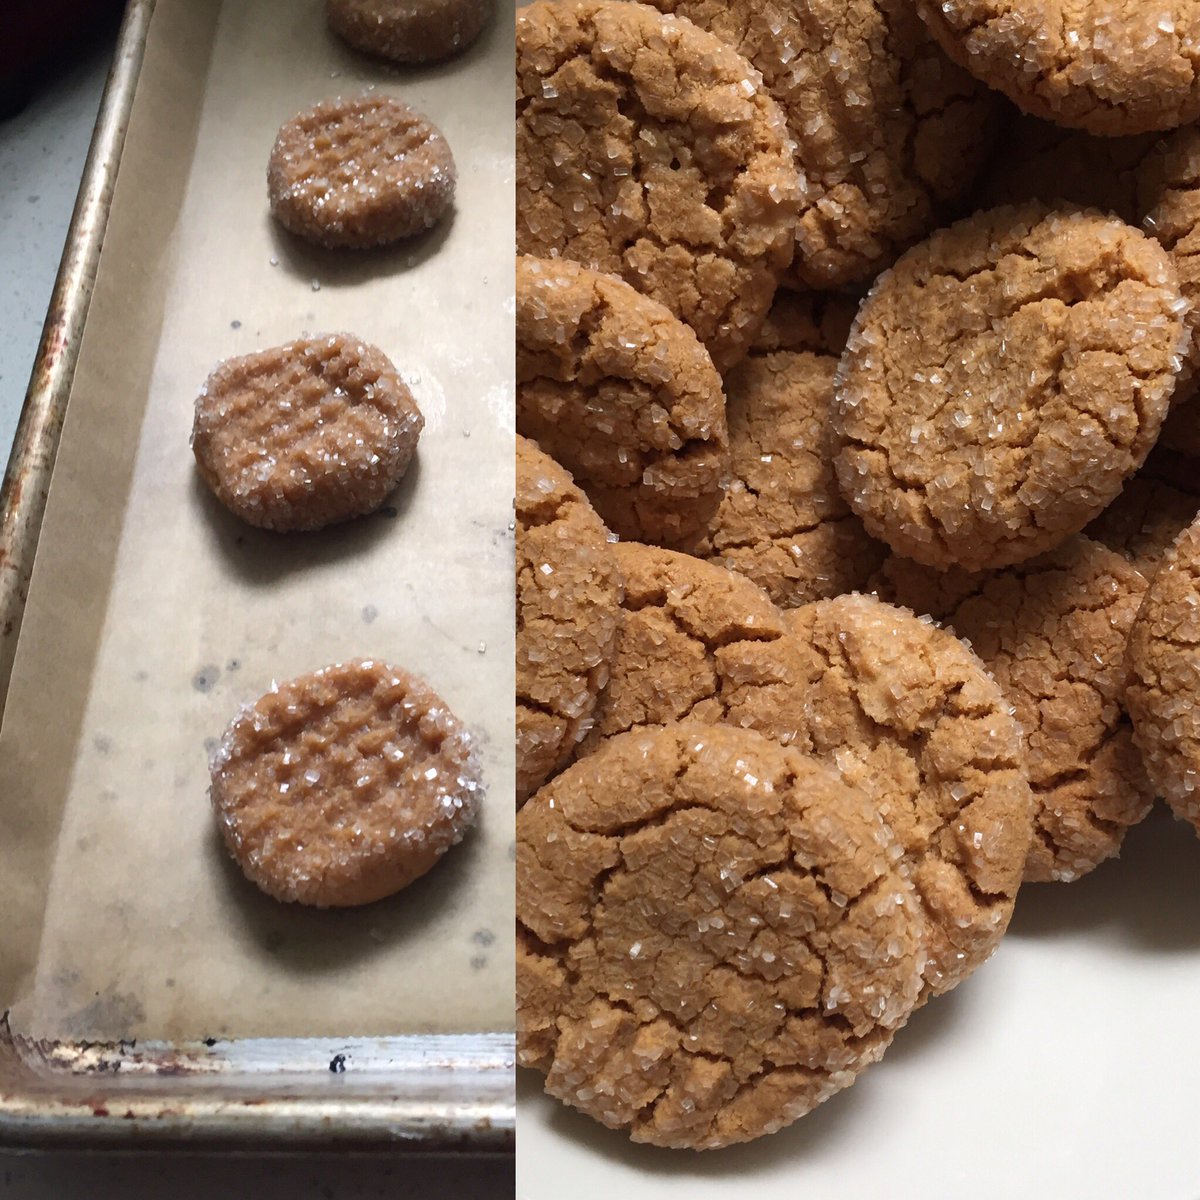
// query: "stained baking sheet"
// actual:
[[153, 613]]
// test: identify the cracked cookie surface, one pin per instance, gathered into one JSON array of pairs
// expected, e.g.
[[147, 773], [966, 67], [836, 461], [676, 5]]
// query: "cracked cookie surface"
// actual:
[[620, 392], [409, 31], [568, 588], [713, 935], [649, 149], [1003, 380], [1053, 632]]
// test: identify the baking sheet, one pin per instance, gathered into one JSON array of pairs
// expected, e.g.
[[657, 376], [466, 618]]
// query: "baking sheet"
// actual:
[[153, 613]]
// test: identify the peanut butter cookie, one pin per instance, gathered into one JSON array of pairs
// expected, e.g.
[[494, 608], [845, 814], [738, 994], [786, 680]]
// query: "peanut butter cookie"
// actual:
[[409, 31]]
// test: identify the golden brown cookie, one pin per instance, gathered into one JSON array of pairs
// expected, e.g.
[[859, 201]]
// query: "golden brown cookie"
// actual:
[[622, 394], [409, 31], [1053, 632], [1164, 658], [568, 590], [307, 434], [909, 714], [649, 149], [782, 521], [1108, 66], [1002, 382], [343, 786], [713, 935], [360, 173], [889, 134]]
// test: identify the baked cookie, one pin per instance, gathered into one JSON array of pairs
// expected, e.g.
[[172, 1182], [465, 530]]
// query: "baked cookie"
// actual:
[[818, 322], [360, 173], [623, 395], [1164, 659], [1002, 382], [568, 590], [343, 786], [649, 149], [714, 935], [889, 134], [1108, 66], [1053, 633], [782, 521], [307, 434], [409, 31], [910, 715]]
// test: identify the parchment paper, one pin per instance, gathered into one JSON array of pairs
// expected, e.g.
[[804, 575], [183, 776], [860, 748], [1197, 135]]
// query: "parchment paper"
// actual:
[[153, 613]]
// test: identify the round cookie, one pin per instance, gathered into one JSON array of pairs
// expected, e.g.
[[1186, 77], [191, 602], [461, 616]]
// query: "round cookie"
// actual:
[[359, 173], [782, 521], [910, 715], [1107, 66], [649, 149], [1164, 661], [1053, 633], [1002, 382], [889, 134], [307, 434], [568, 590], [409, 31], [622, 394], [341, 787], [713, 936]]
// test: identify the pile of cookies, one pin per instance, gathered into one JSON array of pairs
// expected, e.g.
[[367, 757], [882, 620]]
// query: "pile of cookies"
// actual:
[[856, 424]]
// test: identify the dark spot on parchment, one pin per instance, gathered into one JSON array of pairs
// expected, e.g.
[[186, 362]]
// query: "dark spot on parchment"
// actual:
[[235, 324], [369, 613], [210, 746], [390, 511], [485, 937], [337, 1064], [204, 678], [102, 742], [233, 664], [478, 962]]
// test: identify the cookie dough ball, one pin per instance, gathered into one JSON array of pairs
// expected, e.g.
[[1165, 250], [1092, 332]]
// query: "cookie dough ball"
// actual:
[[782, 521], [360, 173], [568, 590], [1053, 632], [621, 393], [911, 716], [889, 134], [1002, 382], [714, 936], [306, 434], [1107, 66], [409, 31], [343, 786], [649, 149]]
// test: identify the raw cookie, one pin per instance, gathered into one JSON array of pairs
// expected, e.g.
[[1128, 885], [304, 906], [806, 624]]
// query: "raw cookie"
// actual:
[[782, 521], [622, 394], [409, 31], [713, 935], [889, 134], [568, 590], [909, 714], [360, 173], [1053, 632], [1108, 66], [1003, 380], [343, 786], [649, 149], [306, 434], [1164, 658]]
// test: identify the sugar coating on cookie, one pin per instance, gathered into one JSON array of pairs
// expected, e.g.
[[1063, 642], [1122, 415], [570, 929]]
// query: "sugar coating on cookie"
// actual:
[[1003, 380], [409, 31], [568, 589], [341, 787], [649, 149], [620, 392], [889, 133], [1107, 66], [714, 935], [1164, 660], [360, 173], [908, 713], [306, 434], [1053, 632], [782, 521]]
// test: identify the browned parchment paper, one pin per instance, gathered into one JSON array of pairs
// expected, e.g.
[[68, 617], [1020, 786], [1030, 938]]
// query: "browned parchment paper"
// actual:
[[153, 613]]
